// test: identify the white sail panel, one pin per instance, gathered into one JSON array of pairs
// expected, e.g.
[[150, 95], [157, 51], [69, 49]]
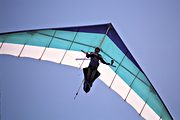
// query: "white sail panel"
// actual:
[[85, 63], [120, 87], [53, 54], [106, 78], [32, 51], [70, 58], [134, 100], [11, 49], [149, 114]]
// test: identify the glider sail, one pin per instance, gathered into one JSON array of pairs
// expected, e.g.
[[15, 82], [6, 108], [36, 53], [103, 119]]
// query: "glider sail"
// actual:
[[64, 45]]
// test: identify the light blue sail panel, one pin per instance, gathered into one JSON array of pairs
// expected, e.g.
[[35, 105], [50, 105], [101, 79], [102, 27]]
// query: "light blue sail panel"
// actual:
[[125, 75], [79, 47], [59, 43], [108, 58], [39, 40], [111, 49], [89, 39], [2, 38], [66, 35], [141, 89], [155, 103], [46, 32], [126, 63], [143, 78], [16, 38]]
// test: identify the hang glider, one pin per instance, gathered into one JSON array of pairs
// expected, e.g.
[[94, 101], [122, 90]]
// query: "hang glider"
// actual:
[[64, 45]]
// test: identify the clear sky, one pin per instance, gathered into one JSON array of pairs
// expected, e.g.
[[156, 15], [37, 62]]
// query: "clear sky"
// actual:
[[150, 29]]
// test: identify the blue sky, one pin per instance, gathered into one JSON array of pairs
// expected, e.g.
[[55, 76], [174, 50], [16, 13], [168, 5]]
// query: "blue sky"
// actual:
[[150, 29]]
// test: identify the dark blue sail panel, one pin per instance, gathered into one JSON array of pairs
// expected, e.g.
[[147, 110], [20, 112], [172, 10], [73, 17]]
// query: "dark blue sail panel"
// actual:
[[89, 29]]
